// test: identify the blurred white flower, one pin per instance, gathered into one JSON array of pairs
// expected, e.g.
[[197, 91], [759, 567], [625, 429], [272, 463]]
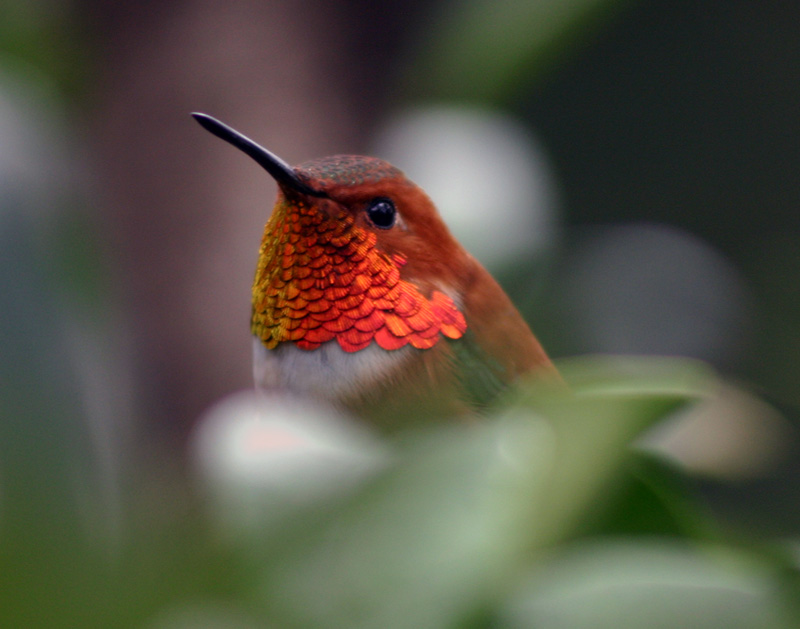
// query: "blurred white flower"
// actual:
[[655, 289], [485, 172], [732, 435], [260, 455]]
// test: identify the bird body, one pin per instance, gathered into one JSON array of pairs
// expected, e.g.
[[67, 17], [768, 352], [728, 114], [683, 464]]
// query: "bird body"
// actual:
[[363, 298]]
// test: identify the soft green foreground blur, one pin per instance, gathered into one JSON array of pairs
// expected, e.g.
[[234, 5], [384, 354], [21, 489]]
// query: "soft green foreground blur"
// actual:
[[542, 516], [654, 492]]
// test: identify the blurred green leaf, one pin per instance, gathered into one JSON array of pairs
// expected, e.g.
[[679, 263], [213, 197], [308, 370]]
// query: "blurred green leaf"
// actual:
[[425, 543], [655, 497], [613, 400], [434, 540], [498, 524], [44, 36], [648, 583], [482, 51]]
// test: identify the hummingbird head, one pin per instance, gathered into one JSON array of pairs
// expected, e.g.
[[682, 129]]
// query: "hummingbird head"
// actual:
[[353, 252]]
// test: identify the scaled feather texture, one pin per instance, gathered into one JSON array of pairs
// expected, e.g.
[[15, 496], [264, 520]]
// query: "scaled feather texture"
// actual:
[[321, 278]]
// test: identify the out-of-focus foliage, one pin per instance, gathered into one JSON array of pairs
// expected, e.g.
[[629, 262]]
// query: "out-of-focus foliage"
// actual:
[[44, 35], [482, 51], [541, 516]]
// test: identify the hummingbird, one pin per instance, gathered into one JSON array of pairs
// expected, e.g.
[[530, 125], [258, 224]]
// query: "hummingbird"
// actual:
[[363, 299]]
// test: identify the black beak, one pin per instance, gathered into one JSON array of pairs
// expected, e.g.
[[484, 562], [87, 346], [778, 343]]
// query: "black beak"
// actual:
[[274, 165]]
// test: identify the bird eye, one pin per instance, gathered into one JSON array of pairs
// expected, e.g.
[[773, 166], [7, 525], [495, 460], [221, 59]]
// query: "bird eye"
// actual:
[[382, 213]]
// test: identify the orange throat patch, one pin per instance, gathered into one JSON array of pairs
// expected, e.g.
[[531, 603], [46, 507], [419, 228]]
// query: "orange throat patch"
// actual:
[[320, 279]]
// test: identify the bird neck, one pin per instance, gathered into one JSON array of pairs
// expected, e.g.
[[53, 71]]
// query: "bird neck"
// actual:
[[322, 278]]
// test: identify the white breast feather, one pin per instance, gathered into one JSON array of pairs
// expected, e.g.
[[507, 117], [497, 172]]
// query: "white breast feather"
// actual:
[[327, 373]]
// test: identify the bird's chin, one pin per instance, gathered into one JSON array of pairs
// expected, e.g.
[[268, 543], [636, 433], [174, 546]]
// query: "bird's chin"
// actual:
[[327, 373]]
